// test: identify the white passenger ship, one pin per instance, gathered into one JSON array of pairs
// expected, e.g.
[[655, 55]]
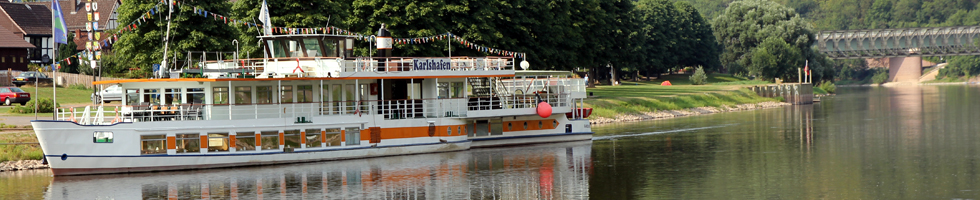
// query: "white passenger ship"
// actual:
[[311, 101]]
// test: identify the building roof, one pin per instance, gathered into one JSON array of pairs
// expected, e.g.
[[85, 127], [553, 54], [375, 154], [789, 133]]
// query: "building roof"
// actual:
[[31, 19], [76, 16], [9, 40]]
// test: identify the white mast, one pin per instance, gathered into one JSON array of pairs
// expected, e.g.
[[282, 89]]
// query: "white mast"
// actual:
[[166, 39]]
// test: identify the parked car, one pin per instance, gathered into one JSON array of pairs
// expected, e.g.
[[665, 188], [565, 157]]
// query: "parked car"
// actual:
[[10, 95], [29, 78], [112, 93]]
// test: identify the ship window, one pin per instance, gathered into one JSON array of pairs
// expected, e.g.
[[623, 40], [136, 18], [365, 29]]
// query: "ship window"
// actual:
[[292, 138], [540, 125], [263, 94], [270, 140], [153, 144], [510, 126], [287, 94], [195, 95], [443, 90], [313, 138], [218, 142], [172, 96], [219, 95], [275, 46], [245, 141], [349, 91], [449, 130], [332, 137], [102, 137], [132, 96], [312, 47], [243, 95], [329, 47], [353, 136], [458, 91], [188, 143], [338, 99], [304, 93], [525, 125], [152, 96]]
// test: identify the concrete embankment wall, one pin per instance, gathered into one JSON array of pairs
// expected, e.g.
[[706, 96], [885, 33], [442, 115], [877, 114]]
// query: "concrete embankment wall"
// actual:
[[794, 93]]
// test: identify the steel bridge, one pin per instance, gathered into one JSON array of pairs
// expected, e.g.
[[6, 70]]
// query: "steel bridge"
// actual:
[[909, 42]]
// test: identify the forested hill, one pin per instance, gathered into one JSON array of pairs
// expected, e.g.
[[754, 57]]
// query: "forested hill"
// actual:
[[869, 14]]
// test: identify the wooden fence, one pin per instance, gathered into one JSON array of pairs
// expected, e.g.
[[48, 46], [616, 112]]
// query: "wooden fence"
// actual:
[[68, 79]]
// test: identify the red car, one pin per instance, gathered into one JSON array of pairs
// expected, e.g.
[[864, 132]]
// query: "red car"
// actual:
[[10, 95]]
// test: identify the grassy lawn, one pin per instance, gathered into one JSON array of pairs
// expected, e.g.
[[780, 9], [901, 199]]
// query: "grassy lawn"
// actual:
[[649, 96], [19, 152], [66, 96]]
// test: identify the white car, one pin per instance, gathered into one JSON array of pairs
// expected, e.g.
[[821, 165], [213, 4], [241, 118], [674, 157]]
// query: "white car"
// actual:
[[112, 93]]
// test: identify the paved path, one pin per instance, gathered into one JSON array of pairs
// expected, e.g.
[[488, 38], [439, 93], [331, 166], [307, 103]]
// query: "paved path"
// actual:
[[19, 121]]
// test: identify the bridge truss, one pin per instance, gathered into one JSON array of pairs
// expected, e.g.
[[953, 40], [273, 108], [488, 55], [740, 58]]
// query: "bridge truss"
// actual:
[[881, 43]]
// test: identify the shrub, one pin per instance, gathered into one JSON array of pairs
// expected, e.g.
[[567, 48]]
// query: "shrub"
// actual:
[[43, 107], [828, 86], [699, 78], [817, 90], [881, 76], [78, 87]]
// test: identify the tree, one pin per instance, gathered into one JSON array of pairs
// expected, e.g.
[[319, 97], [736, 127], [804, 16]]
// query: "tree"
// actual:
[[775, 58], [697, 45], [658, 36], [746, 24], [143, 46], [68, 51]]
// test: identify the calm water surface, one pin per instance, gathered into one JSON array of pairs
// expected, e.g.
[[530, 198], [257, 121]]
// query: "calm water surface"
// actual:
[[865, 143]]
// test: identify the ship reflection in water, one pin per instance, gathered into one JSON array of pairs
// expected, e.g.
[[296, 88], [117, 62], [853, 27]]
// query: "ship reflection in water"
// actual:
[[552, 171]]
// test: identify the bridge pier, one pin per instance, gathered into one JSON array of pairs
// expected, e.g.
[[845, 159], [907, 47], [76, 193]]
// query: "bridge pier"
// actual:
[[904, 69]]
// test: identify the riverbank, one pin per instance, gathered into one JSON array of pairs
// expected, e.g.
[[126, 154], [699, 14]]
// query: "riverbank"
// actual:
[[666, 114], [19, 151], [649, 100], [21, 165]]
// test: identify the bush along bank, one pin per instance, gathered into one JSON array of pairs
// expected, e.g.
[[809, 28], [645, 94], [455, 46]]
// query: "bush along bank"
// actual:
[[626, 109]]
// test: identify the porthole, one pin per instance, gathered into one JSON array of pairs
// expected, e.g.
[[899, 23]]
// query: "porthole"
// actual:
[[540, 125], [554, 123], [510, 126], [449, 130], [525, 125]]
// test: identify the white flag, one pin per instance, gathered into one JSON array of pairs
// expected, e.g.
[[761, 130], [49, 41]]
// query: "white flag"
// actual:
[[264, 18]]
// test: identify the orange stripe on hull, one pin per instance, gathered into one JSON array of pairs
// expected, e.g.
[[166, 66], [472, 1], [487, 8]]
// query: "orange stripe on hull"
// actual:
[[413, 132]]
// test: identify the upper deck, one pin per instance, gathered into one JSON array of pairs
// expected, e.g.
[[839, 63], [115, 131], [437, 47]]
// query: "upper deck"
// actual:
[[330, 56]]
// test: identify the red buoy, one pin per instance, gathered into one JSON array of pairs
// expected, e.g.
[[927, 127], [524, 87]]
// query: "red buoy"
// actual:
[[544, 109]]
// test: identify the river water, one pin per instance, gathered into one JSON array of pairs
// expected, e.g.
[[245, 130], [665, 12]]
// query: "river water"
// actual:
[[865, 143]]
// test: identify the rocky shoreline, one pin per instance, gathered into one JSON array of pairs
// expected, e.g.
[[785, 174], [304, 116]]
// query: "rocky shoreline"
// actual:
[[685, 112], [21, 165]]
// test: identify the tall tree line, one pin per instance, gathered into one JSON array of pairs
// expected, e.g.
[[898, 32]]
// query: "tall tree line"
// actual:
[[645, 36]]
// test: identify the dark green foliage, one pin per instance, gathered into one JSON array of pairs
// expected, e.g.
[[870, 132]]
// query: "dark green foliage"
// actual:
[[881, 76], [43, 107], [68, 51], [748, 24], [961, 66], [142, 47], [828, 86]]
